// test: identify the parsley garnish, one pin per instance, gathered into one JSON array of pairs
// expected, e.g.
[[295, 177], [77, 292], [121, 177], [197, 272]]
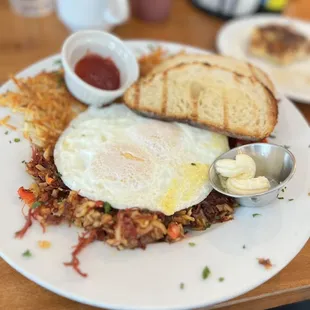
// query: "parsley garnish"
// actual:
[[36, 204], [192, 244], [256, 214], [6, 132], [221, 279], [23, 162], [107, 208], [16, 140], [286, 146], [291, 199], [244, 247], [206, 272], [60, 81], [193, 164], [58, 62], [27, 253], [272, 136], [182, 286], [280, 197]]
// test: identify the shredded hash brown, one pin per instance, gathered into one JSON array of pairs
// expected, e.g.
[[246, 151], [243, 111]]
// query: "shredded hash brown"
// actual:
[[46, 104], [4, 122], [149, 61], [48, 108]]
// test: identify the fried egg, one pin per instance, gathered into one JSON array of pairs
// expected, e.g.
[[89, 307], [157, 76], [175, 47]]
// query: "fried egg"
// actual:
[[115, 155]]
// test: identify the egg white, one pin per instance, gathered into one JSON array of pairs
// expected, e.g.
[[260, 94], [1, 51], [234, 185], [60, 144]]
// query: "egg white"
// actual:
[[114, 155]]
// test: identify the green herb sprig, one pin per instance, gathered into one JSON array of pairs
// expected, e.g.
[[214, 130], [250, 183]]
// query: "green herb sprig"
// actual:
[[27, 253], [256, 214], [206, 272]]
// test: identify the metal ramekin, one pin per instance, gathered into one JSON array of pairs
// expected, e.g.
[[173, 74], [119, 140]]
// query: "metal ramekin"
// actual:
[[274, 162]]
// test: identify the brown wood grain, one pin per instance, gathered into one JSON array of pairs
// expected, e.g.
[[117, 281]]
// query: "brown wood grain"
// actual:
[[24, 41]]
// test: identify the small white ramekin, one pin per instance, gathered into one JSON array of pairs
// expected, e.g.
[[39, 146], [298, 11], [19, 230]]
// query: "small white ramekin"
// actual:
[[99, 42]]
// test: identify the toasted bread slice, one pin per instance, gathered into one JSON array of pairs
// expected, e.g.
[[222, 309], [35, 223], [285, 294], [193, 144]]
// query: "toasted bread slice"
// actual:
[[207, 96], [227, 63]]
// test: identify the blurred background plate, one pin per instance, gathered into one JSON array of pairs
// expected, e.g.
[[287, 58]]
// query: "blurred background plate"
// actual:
[[292, 80]]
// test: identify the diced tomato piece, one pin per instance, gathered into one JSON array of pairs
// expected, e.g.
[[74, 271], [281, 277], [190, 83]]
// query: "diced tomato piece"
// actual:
[[99, 204], [49, 180], [26, 195], [174, 231]]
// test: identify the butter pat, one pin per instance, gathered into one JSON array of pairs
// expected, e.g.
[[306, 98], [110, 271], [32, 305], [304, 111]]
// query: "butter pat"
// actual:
[[238, 176], [247, 186], [242, 167]]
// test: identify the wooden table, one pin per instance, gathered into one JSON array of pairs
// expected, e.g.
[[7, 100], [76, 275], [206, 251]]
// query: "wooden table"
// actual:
[[24, 41]]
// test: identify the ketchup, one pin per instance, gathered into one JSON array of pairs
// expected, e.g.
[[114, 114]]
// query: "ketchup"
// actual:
[[98, 72]]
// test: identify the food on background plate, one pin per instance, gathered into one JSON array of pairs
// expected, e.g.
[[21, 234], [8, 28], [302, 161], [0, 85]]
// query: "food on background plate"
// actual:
[[279, 44], [238, 176], [212, 92]]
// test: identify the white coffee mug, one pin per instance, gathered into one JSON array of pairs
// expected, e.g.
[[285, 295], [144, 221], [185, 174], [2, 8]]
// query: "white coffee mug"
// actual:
[[92, 14]]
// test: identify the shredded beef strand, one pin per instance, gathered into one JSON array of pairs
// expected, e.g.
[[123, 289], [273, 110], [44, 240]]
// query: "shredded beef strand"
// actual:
[[20, 234], [265, 262], [84, 241]]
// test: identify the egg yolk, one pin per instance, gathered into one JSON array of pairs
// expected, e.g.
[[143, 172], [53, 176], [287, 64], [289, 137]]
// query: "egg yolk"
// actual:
[[191, 178]]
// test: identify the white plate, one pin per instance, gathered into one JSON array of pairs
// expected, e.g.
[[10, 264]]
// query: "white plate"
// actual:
[[151, 279], [292, 80]]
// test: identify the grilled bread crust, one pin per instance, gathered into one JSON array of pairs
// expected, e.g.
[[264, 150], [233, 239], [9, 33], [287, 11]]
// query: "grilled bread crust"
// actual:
[[208, 94], [228, 63]]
